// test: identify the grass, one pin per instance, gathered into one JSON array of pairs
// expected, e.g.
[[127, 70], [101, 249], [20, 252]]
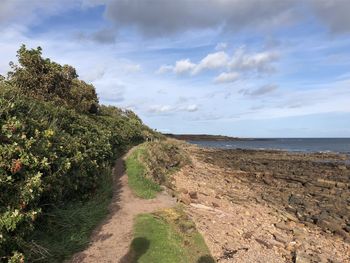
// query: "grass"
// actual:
[[142, 186], [65, 231], [168, 236]]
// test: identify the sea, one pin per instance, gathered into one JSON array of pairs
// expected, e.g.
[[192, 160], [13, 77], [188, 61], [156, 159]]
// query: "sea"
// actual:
[[337, 145]]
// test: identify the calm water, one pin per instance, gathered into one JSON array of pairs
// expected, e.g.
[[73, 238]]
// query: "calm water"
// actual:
[[340, 145]]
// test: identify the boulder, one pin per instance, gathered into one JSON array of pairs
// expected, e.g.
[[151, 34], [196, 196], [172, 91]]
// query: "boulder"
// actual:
[[193, 194]]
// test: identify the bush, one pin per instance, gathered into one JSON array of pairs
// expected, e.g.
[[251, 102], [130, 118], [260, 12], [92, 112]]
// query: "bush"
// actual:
[[54, 144], [160, 159]]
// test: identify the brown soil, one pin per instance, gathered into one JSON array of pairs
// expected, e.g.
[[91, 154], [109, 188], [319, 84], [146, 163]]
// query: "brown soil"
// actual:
[[111, 241], [268, 206]]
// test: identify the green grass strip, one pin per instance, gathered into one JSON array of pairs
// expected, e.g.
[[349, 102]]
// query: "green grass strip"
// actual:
[[142, 186], [167, 237]]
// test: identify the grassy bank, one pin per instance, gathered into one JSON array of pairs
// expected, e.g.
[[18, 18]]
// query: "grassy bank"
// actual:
[[151, 165], [141, 185], [166, 237], [67, 229]]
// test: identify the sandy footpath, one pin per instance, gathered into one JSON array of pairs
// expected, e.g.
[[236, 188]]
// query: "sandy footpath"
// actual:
[[111, 241]]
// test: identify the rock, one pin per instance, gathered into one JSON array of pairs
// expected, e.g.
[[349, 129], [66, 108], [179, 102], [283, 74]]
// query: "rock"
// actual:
[[299, 233], [280, 238], [215, 204], [264, 243], [296, 199], [289, 216], [193, 194], [267, 180], [302, 257], [248, 235], [185, 199], [183, 190], [325, 183], [200, 206], [218, 197], [342, 167], [283, 226], [202, 193]]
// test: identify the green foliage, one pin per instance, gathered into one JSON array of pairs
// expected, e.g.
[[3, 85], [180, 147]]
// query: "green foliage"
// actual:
[[162, 158], [168, 236], [142, 186], [54, 146], [47, 80], [66, 230], [151, 164]]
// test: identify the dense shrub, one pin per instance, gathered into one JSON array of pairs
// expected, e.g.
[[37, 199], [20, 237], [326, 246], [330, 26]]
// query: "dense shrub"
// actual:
[[49, 81], [55, 141], [161, 158]]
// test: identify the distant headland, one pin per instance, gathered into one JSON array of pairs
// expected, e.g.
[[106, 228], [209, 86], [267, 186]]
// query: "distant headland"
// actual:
[[202, 137]]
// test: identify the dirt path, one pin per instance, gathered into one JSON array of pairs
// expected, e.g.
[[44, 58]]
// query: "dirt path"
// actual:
[[111, 241]]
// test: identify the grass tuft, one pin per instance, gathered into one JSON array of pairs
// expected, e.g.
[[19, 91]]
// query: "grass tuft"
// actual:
[[166, 237], [141, 185]]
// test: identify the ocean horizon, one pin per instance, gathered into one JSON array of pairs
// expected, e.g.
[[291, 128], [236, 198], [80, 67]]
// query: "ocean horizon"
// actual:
[[309, 145]]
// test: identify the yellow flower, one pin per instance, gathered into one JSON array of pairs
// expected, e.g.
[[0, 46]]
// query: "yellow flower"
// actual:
[[49, 133]]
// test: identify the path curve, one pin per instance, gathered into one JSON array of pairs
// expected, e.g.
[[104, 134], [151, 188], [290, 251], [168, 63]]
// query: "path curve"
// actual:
[[110, 242]]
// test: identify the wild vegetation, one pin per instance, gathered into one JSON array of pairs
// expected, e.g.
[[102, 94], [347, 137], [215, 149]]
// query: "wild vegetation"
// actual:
[[56, 143], [151, 165]]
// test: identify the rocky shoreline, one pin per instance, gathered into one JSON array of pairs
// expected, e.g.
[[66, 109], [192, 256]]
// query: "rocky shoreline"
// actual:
[[311, 188], [297, 205]]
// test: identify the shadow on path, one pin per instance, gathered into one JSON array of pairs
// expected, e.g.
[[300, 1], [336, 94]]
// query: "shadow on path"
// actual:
[[206, 259], [138, 247]]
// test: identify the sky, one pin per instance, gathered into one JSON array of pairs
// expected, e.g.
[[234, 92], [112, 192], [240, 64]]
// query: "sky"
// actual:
[[247, 68]]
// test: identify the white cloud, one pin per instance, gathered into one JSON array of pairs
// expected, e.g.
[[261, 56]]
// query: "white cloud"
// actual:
[[191, 108], [167, 109], [212, 61], [184, 66], [164, 69], [240, 61], [260, 62], [226, 77]]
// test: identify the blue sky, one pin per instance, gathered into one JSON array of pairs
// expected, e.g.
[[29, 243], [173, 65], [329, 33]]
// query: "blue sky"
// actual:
[[248, 68]]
